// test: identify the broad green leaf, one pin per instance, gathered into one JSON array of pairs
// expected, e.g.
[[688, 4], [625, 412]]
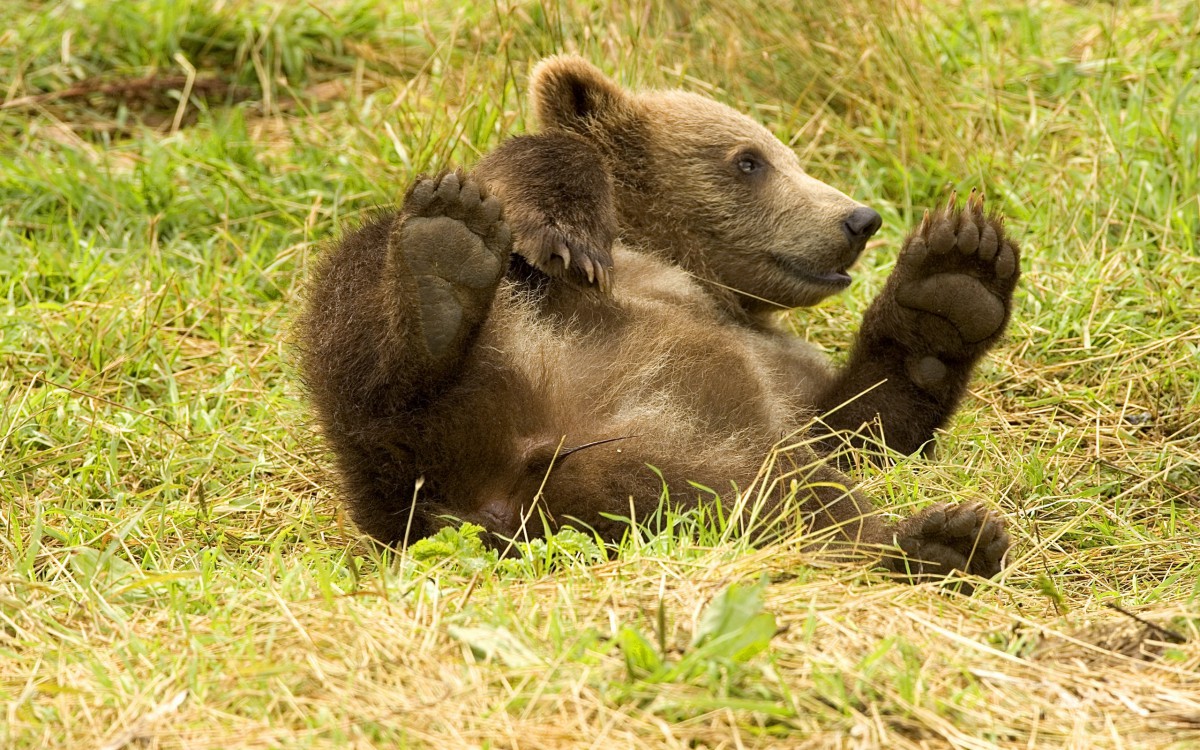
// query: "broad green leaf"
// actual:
[[495, 644], [730, 611], [642, 659]]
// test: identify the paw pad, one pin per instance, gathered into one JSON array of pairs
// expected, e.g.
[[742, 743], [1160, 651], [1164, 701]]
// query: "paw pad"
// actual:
[[452, 244], [955, 279]]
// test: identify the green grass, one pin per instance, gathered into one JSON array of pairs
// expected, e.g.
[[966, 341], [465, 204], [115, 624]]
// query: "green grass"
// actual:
[[175, 570]]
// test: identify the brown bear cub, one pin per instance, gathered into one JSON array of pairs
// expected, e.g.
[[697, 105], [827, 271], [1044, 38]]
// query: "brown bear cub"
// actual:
[[592, 314]]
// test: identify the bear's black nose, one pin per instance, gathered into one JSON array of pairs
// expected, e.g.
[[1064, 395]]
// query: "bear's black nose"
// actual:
[[860, 225]]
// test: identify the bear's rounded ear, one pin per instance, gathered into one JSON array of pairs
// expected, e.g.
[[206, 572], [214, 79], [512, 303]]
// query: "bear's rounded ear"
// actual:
[[569, 92]]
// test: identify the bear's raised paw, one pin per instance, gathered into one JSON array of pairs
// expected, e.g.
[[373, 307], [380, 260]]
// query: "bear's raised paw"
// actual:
[[575, 256], [452, 246], [953, 286]]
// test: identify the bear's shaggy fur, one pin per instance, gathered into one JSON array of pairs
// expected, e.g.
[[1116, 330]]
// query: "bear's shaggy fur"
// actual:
[[592, 313]]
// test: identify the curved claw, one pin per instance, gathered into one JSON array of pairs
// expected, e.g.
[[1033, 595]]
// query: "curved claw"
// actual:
[[604, 276], [588, 268], [953, 200], [975, 202], [562, 251]]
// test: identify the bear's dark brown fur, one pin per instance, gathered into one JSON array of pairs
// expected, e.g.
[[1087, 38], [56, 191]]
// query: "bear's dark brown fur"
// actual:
[[592, 313]]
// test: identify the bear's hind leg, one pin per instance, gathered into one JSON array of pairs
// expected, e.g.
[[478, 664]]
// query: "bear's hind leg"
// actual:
[[391, 314], [944, 306], [936, 542]]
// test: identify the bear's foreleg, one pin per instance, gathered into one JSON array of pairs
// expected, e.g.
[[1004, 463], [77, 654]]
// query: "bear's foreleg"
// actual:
[[944, 306], [558, 201]]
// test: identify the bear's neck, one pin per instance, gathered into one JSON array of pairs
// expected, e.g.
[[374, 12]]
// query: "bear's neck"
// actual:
[[676, 243]]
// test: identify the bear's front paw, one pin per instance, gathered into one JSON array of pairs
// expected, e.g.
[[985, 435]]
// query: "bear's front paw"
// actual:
[[947, 538], [582, 257], [953, 286], [451, 248]]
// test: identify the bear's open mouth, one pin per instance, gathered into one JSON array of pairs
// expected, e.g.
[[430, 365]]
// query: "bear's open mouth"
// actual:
[[796, 267]]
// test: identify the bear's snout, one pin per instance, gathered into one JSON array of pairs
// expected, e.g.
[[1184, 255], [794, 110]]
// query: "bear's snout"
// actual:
[[859, 226], [499, 514]]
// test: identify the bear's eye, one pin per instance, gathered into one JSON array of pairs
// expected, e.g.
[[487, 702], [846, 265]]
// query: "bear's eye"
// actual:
[[749, 164]]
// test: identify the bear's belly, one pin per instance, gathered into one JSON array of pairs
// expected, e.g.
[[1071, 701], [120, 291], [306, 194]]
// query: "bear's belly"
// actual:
[[599, 417], [586, 454]]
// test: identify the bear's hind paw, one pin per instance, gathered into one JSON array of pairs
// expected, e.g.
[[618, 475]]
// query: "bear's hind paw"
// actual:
[[955, 279], [450, 249], [947, 538]]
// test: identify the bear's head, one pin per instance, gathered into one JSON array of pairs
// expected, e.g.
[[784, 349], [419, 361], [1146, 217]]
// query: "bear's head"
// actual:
[[709, 188]]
